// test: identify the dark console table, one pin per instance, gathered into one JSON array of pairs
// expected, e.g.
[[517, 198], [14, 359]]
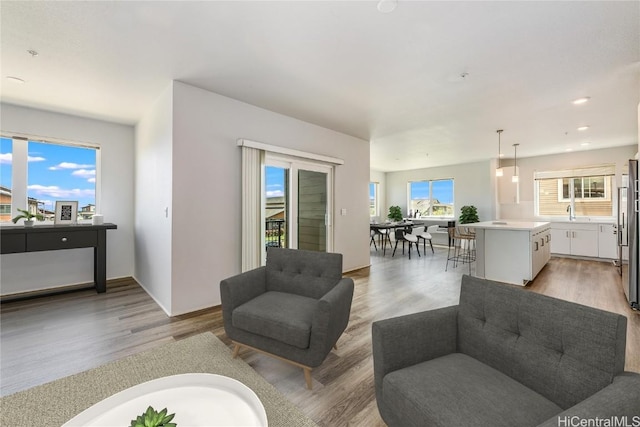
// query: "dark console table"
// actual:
[[56, 237]]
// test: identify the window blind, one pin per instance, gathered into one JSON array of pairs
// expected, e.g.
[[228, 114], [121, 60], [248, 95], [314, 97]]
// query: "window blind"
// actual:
[[599, 170]]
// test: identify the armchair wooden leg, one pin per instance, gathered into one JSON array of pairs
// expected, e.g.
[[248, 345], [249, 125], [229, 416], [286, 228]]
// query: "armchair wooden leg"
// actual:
[[236, 350], [335, 346], [307, 377]]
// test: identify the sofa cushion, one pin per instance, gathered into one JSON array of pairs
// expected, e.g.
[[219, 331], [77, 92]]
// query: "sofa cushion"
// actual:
[[456, 389], [277, 315], [562, 350], [307, 273]]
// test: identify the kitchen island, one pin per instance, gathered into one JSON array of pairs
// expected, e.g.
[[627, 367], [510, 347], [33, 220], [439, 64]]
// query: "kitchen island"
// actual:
[[511, 251]]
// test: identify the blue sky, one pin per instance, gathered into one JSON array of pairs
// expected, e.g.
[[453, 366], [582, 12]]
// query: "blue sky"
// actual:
[[274, 178], [55, 172], [442, 190]]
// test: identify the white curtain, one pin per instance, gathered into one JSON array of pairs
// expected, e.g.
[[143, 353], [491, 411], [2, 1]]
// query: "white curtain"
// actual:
[[252, 224]]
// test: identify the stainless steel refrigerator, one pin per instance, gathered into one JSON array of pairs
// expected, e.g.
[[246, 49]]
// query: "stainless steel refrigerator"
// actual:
[[630, 218]]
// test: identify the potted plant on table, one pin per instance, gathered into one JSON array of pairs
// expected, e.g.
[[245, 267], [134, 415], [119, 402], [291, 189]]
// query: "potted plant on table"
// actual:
[[28, 217], [395, 213]]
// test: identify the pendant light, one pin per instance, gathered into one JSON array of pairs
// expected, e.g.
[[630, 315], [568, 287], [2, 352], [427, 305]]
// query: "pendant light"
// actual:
[[514, 178], [499, 168]]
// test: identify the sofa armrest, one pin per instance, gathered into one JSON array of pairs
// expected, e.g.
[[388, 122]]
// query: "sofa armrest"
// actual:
[[236, 290], [332, 316], [619, 399], [407, 340]]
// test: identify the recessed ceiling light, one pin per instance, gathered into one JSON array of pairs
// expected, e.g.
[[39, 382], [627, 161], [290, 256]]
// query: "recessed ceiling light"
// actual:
[[568, 149], [15, 79], [501, 154], [584, 144], [581, 128], [387, 6], [581, 100]]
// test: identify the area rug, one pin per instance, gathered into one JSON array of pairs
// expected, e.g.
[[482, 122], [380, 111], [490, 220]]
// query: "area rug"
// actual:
[[55, 403]]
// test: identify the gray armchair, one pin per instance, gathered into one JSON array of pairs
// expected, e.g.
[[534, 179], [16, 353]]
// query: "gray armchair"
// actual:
[[295, 308], [503, 357]]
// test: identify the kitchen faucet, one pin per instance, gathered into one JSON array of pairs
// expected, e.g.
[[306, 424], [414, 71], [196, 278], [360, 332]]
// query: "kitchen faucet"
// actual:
[[571, 216]]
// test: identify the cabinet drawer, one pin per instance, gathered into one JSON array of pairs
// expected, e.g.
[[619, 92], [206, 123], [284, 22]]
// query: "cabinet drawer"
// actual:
[[12, 243], [61, 240]]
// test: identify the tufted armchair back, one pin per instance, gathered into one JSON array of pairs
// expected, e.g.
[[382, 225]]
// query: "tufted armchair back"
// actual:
[[564, 351], [306, 273]]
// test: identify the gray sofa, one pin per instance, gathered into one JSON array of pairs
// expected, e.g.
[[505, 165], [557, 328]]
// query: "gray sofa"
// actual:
[[504, 356], [294, 308]]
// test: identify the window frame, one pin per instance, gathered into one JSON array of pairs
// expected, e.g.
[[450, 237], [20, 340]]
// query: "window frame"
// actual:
[[431, 204], [550, 202], [561, 198], [20, 170]]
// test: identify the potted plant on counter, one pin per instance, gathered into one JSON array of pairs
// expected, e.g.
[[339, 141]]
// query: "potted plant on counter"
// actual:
[[28, 217], [469, 215]]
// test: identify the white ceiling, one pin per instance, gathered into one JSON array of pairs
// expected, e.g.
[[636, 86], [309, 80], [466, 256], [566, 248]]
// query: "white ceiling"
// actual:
[[394, 79]]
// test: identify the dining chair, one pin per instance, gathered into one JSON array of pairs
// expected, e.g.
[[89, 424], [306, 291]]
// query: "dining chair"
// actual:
[[427, 236], [373, 233], [404, 235]]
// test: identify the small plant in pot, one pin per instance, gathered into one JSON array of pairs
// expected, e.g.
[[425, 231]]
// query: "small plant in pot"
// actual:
[[395, 213], [469, 215], [28, 217], [153, 418]]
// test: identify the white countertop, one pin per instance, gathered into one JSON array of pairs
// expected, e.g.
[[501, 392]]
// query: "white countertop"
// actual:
[[509, 225]]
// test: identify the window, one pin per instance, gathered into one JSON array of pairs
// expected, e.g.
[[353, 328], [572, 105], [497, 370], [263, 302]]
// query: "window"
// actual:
[[585, 191], [592, 187], [6, 171], [431, 198], [42, 173], [373, 199]]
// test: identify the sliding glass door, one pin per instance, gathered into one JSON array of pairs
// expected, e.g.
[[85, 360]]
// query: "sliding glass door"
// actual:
[[297, 200], [312, 210]]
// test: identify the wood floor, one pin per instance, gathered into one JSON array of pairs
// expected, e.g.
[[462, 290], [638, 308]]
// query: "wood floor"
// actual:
[[49, 338]]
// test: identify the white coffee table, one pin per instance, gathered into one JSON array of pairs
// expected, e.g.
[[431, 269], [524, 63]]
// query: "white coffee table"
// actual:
[[196, 399]]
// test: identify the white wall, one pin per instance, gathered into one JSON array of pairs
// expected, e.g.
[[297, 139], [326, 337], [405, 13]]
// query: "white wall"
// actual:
[[473, 184], [39, 270], [528, 165], [153, 194], [207, 183]]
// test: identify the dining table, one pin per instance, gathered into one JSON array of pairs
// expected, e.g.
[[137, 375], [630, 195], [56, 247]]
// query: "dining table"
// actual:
[[389, 225]]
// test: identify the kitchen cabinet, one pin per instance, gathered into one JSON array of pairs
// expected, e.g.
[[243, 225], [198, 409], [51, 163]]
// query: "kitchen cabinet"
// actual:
[[608, 241], [511, 251], [579, 239]]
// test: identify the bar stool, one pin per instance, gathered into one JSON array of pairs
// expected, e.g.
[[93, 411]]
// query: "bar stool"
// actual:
[[462, 241]]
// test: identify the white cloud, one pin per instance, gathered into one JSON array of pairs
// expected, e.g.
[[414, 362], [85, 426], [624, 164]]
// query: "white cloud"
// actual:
[[57, 192], [7, 158], [92, 180], [68, 165], [275, 193], [84, 173]]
